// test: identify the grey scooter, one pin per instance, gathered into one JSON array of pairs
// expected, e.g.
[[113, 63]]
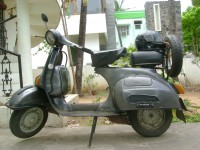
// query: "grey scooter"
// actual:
[[140, 96]]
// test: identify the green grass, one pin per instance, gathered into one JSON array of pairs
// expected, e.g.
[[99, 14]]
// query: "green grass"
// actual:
[[102, 93], [192, 115], [192, 118]]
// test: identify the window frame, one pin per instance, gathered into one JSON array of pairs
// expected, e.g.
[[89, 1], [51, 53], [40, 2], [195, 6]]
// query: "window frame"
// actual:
[[138, 23], [122, 28], [157, 18]]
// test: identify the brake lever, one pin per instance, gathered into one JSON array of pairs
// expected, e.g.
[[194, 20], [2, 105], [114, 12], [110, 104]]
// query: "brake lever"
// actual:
[[39, 36]]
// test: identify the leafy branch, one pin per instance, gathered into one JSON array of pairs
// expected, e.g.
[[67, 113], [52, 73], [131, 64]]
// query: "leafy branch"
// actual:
[[125, 61], [45, 47]]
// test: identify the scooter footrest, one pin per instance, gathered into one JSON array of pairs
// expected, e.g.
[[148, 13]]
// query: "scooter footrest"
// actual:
[[89, 114]]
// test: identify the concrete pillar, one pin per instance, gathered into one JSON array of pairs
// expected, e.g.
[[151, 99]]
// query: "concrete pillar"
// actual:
[[24, 40]]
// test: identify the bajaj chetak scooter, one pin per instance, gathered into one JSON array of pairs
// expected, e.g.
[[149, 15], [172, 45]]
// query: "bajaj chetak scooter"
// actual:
[[141, 96]]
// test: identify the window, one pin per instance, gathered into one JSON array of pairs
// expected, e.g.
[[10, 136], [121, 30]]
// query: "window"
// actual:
[[93, 7], [138, 24], [123, 30], [157, 21]]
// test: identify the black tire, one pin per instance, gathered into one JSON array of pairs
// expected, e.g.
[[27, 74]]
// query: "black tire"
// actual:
[[150, 123], [175, 56], [27, 123]]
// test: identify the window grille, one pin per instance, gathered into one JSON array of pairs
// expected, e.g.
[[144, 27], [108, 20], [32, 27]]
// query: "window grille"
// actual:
[[2, 31], [123, 30]]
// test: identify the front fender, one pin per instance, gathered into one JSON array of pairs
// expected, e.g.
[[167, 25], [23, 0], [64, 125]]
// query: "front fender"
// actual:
[[27, 97]]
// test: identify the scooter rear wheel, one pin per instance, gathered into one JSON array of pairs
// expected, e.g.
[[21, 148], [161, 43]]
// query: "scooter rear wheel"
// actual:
[[150, 123], [27, 123]]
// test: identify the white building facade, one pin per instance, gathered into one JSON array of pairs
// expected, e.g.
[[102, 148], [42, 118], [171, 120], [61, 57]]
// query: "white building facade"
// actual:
[[99, 36], [27, 30], [130, 24], [18, 36]]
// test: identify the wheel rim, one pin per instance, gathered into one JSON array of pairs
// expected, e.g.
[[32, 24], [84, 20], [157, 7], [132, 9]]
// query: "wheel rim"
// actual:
[[31, 120], [151, 119], [169, 58]]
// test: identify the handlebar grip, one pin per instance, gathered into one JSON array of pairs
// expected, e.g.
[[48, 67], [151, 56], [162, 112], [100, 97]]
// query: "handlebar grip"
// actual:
[[87, 50], [52, 59]]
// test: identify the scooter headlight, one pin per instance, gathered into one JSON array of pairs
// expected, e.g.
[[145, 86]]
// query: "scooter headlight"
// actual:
[[51, 37]]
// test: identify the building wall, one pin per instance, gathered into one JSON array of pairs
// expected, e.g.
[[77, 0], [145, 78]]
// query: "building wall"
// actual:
[[11, 33], [97, 33], [96, 23], [101, 83], [130, 39], [187, 77], [164, 17], [91, 41]]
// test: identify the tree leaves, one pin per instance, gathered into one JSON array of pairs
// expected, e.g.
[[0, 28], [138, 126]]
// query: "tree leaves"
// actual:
[[196, 3], [119, 5], [191, 28]]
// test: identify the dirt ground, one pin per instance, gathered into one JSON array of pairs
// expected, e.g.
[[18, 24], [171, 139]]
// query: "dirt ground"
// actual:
[[193, 95], [99, 97], [87, 121]]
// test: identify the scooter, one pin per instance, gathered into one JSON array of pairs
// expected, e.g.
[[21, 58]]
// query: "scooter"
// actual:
[[140, 96]]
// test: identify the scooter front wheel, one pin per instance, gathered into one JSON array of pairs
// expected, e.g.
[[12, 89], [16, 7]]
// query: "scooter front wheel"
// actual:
[[150, 123], [27, 123]]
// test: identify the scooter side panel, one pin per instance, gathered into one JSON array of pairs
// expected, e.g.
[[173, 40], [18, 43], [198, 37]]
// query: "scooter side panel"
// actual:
[[26, 97], [135, 96], [138, 88]]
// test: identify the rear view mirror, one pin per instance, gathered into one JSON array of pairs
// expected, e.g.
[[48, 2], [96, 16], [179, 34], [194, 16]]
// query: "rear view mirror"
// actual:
[[44, 17]]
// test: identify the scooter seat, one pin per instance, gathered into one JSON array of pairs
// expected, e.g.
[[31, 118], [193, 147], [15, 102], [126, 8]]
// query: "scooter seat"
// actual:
[[106, 57], [147, 59]]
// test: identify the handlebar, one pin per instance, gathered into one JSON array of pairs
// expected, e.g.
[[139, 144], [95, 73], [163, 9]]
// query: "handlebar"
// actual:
[[69, 43], [61, 40], [87, 50]]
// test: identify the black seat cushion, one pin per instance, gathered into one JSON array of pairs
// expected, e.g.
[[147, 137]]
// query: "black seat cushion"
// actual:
[[146, 58], [104, 58]]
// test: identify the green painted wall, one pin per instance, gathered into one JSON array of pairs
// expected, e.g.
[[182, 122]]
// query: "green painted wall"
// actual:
[[130, 14]]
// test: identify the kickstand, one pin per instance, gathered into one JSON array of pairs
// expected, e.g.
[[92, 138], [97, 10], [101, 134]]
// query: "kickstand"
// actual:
[[93, 130]]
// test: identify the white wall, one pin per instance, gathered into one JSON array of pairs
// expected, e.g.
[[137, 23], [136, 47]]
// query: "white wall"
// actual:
[[39, 59], [96, 23], [11, 33], [87, 70], [190, 75], [191, 70], [91, 42]]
